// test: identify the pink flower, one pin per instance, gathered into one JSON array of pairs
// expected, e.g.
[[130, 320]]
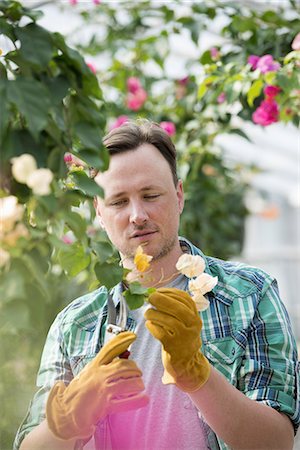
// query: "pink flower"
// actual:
[[133, 85], [271, 91], [221, 98], [296, 42], [169, 127], [267, 64], [92, 67], [267, 113], [73, 2], [96, 2], [253, 60], [184, 81], [214, 53], [67, 239], [136, 101], [118, 122], [68, 158]]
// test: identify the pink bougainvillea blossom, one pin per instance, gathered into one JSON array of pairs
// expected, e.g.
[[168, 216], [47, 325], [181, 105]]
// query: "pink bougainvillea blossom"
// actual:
[[267, 64], [271, 91], [214, 53], [96, 2], [253, 60], [184, 81], [70, 160], [133, 85], [136, 101], [169, 127], [267, 113], [73, 2], [92, 67], [264, 63], [119, 121], [221, 98], [296, 42]]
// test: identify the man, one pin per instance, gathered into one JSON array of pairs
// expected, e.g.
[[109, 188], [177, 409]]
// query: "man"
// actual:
[[234, 366]]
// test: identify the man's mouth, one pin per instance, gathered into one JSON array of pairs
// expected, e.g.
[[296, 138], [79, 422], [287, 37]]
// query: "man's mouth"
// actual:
[[141, 234]]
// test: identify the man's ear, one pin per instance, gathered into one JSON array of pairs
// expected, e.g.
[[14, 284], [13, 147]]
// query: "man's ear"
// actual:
[[180, 196], [98, 212]]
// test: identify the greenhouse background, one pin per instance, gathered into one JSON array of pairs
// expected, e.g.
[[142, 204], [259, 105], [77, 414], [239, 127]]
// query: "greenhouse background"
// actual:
[[193, 60]]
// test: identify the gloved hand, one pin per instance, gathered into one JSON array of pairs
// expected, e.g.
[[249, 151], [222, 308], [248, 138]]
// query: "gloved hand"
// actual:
[[107, 384], [176, 323]]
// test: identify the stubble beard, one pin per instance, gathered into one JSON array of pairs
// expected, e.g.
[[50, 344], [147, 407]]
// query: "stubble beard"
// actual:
[[163, 251]]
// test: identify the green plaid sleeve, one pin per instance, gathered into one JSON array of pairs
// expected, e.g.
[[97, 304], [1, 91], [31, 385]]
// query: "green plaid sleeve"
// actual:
[[54, 366], [270, 370]]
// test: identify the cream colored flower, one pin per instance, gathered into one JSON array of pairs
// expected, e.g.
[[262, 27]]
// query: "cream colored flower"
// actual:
[[11, 212], [141, 259], [200, 286], [190, 265], [12, 237], [22, 167], [4, 257], [39, 181]]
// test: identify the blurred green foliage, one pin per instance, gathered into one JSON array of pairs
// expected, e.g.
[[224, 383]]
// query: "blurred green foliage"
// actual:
[[52, 104]]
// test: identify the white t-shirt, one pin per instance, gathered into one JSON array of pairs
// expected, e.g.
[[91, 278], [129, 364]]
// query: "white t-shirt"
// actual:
[[170, 421]]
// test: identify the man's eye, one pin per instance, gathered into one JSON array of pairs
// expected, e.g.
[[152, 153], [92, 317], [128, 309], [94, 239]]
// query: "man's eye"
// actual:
[[118, 203], [151, 196]]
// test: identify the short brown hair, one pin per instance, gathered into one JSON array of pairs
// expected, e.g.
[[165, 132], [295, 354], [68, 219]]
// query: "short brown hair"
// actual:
[[131, 135]]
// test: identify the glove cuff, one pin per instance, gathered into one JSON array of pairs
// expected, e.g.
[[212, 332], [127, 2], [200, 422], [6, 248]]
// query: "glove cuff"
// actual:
[[60, 421], [198, 379]]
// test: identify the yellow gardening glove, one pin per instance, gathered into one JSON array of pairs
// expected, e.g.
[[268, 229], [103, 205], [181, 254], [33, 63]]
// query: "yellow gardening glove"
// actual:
[[106, 385], [175, 322]]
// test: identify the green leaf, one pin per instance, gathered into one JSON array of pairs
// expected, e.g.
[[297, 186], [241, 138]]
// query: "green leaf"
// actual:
[[32, 99], [137, 288], [86, 184], [254, 91], [37, 274], [240, 133], [104, 250], [89, 135], [58, 88], [74, 259], [134, 301], [203, 87], [96, 159], [4, 109], [294, 54], [108, 274], [36, 44], [76, 223]]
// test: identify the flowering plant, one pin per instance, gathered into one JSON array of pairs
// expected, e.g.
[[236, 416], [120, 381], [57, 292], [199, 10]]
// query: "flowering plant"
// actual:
[[192, 266]]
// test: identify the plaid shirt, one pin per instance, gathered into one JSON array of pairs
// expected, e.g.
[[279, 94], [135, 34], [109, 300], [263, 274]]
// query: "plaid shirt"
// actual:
[[246, 336]]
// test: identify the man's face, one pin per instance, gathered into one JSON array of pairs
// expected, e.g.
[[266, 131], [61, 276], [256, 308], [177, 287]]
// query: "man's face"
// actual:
[[141, 204]]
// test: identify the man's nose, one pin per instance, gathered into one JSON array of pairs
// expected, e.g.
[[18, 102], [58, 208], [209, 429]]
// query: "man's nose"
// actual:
[[138, 214]]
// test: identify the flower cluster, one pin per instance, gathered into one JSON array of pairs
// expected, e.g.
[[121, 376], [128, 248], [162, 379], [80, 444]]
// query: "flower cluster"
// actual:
[[24, 170], [268, 111], [192, 266], [137, 95], [10, 227]]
